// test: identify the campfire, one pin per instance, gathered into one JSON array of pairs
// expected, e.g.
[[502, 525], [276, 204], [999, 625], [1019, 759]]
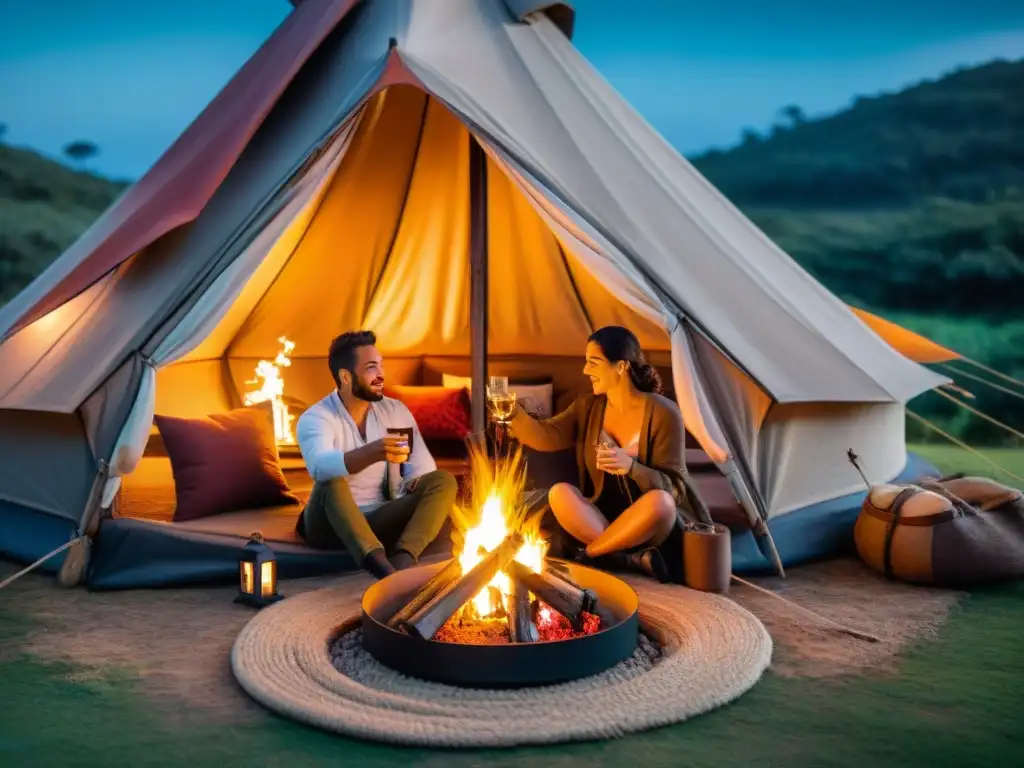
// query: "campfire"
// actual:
[[272, 390], [499, 588]]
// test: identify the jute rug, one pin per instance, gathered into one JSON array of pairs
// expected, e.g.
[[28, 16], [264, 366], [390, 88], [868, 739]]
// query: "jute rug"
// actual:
[[302, 658]]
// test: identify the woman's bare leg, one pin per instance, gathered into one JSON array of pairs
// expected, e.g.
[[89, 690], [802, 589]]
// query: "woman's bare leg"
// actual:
[[577, 516], [648, 520]]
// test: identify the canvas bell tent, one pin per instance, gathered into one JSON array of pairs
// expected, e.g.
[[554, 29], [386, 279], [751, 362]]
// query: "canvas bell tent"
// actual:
[[455, 176]]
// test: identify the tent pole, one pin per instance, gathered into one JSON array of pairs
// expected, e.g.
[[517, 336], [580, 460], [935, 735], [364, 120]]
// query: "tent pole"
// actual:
[[478, 281]]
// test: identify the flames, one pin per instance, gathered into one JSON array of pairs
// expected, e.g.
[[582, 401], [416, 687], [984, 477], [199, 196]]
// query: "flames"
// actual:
[[500, 487], [272, 391]]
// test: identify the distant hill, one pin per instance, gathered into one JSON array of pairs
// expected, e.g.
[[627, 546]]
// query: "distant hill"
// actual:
[[959, 137], [44, 207], [945, 257]]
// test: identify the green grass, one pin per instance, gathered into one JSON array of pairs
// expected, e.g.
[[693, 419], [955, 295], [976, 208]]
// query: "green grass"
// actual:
[[956, 700], [952, 459]]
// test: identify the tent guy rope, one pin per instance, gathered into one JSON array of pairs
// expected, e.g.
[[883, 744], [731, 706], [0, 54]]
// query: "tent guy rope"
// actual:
[[833, 625], [983, 415], [963, 445], [993, 371], [40, 561], [975, 377]]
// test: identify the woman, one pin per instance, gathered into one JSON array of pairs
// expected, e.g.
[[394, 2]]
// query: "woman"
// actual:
[[634, 492]]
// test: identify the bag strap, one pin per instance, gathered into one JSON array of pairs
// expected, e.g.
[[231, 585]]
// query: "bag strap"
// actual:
[[896, 510]]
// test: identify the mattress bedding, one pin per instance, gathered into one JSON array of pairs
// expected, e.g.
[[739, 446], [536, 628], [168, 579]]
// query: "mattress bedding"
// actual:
[[148, 494]]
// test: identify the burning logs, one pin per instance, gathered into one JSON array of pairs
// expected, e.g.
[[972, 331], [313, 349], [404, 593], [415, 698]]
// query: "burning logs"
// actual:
[[561, 594], [560, 569], [425, 622], [441, 580], [561, 608], [521, 628]]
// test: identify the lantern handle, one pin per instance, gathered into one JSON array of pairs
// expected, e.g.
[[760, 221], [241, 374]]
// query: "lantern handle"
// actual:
[[256, 537]]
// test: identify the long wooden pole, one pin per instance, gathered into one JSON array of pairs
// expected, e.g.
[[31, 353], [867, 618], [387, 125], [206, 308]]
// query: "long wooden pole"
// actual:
[[478, 281]]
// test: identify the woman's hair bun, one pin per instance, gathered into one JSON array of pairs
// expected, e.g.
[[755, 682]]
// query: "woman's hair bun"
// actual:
[[646, 378]]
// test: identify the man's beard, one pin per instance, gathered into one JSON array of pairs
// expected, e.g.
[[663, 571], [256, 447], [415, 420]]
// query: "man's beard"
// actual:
[[363, 392]]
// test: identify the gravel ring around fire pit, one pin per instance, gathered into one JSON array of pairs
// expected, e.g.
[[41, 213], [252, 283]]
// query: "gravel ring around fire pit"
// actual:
[[711, 652]]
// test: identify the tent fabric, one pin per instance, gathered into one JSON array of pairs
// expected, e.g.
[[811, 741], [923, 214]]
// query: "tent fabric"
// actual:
[[533, 95], [907, 343], [209, 310], [769, 338], [182, 181], [592, 219], [164, 276], [45, 463], [802, 451]]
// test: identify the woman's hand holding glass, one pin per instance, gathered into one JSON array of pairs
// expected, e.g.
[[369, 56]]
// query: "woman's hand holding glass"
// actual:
[[613, 460]]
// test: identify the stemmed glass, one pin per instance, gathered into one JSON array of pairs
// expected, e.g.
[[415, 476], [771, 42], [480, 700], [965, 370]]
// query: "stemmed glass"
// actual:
[[502, 404]]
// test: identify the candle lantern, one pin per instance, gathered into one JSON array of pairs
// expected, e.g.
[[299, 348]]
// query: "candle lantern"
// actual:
[[257, 574]]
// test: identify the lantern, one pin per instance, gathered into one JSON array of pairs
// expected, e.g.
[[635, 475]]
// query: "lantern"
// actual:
[[257, 574]]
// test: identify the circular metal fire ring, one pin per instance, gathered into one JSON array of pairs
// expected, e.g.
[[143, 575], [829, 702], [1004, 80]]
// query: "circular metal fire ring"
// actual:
[[511, 665]]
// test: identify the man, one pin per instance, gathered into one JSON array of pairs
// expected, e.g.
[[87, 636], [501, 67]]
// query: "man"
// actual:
[[347, 449]]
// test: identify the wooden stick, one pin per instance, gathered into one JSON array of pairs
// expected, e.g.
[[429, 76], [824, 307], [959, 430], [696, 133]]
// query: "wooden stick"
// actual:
[[496, 599], [443, 578], [535, 501], [428, 619], [567, 599], [561, 573], [520, 618], [561, 570]]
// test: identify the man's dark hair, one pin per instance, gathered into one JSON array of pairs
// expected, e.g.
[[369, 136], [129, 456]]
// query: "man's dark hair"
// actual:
[[343, 351]]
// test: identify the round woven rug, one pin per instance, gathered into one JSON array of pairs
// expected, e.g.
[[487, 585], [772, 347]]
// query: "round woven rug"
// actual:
[[302, 658]]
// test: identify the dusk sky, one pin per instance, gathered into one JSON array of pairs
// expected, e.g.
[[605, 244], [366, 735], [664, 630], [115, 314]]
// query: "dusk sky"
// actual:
[[130, 75]]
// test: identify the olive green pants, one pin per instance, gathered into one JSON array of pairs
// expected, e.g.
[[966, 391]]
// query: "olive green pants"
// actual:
[[332, 518]]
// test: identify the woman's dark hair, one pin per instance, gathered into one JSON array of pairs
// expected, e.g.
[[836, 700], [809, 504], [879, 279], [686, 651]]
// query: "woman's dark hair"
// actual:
[[619, 343]]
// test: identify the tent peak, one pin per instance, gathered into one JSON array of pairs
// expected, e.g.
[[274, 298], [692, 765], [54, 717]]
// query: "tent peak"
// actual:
[[562, 14]]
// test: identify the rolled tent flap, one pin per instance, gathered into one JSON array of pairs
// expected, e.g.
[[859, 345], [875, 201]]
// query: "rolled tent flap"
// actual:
[[698, 414], [210, 308], [134, 435], [907, 343]]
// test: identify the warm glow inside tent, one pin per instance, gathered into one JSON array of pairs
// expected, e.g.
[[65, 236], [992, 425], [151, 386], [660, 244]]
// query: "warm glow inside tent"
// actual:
[[361, 170]]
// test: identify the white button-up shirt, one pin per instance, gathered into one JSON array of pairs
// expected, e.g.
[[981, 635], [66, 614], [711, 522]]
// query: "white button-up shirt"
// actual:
[[326, 431]]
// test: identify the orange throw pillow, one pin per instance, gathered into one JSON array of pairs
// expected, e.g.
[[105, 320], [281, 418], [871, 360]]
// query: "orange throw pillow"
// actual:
[[223, 463]]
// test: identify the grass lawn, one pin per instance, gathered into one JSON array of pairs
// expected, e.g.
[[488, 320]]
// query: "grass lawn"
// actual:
[[951, 458], [956, 700]]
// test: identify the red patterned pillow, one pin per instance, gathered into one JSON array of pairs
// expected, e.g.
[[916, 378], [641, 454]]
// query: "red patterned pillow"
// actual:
[[223, 463], [440, 413]]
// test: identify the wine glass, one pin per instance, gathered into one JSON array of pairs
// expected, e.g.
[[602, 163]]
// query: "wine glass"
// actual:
[[500, 401], [502, 404]]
